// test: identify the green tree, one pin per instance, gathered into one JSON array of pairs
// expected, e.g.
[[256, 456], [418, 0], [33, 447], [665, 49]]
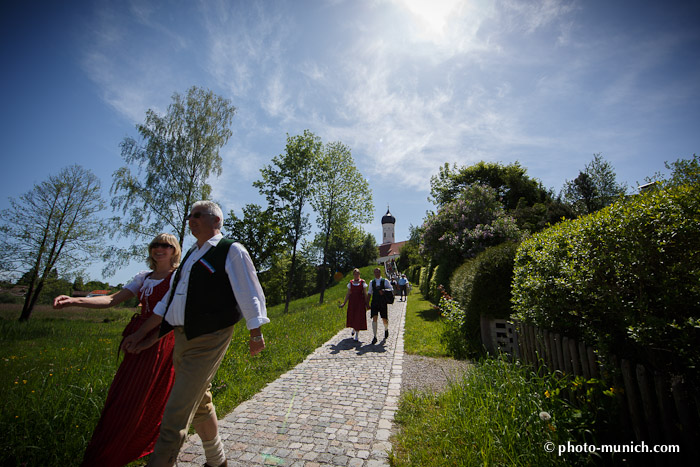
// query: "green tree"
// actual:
[[511, 183], [79, 283], [594, 188], [351, 248], [288, 185], [341, 197], [258, 231], [52, 228], [467, 226], [410, 254], [683, 172], [531, 204], [168, 168]]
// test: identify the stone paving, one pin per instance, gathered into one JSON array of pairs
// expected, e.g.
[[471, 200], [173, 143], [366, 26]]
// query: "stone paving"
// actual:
[[336, 408]]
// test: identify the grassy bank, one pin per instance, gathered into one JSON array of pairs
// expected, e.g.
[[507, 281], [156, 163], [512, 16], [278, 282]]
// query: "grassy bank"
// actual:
[[501, 413], [57, 368], [423, 328]]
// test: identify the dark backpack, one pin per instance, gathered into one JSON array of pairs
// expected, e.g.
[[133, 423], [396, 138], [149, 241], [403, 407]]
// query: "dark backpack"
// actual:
[[388, 295]]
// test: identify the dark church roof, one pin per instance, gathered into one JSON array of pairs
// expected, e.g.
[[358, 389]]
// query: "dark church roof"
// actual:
[[390, 249], [388, 218]]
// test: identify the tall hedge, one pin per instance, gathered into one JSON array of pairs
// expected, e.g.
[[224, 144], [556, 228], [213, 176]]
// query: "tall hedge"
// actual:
[[481, 286], [626, 278], [425, 280]]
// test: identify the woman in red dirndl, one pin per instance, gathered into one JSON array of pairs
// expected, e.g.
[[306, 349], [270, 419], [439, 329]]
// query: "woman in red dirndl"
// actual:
[[357, 306], [130, 420]]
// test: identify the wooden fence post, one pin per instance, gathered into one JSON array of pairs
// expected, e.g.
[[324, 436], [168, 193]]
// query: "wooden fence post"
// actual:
[[633, 400], [566, 355], [666, 408], [646, 392], [575, 363], [583, 360], [592, 363]]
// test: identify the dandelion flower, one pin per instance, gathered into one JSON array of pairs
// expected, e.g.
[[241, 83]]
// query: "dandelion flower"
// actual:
[[544, 416]]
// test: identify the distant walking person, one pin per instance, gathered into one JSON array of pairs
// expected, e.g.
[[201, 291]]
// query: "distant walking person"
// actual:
[[130, 421], [377, 288], [357, 308], [214, 288], [403, 287]]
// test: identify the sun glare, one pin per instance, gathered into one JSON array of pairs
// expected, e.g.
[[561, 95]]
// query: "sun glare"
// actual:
[[431, 14]]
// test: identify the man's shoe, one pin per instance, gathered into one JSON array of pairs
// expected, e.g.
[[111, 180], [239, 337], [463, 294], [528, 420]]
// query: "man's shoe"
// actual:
[[386, 334], [374, 341]]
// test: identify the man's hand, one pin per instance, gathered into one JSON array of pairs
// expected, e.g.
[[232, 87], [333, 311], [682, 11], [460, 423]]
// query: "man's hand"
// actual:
[[256, 346], [257, 342], [146, 342]]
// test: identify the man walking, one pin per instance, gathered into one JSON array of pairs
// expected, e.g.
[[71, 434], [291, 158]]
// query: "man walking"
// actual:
[[377, 289], [403, 286], [215, 284]]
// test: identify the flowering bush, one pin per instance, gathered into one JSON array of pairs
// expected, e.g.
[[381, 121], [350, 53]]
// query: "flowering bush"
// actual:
[[453, 333], [466, 226]]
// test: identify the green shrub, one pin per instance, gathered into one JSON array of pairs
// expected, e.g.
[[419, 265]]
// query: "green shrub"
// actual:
[[481, 286], [425, 280], [413, 274], [7, 297], [433, 291], [490, 292], [626, 278], [453, 337]]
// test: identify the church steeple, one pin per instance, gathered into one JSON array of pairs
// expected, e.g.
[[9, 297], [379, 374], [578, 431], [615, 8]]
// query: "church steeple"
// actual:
[[388, 222]]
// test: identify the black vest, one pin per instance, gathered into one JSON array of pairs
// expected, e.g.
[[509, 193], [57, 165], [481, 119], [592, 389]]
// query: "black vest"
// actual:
[[211, 304]]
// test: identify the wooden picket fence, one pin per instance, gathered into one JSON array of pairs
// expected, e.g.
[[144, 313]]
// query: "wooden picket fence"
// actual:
[[659, 408]]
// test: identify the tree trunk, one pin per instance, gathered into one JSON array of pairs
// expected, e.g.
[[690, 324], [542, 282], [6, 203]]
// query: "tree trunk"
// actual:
[[290, 279], [324, 276], [29, 301]]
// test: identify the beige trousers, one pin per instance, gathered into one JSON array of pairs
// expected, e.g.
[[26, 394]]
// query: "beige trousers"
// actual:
[[196, 362]]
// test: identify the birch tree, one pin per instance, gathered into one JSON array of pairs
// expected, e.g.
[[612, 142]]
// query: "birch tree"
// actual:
[[341, 198], [288, 185], [168, 168], [54, 228]]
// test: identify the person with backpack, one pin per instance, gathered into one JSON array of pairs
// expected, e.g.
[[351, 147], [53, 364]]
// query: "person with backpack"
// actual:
[[403, 287], [381, 293]]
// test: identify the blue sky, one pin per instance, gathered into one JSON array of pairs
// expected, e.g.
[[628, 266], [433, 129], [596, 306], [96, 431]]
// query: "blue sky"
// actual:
[[407, 84]]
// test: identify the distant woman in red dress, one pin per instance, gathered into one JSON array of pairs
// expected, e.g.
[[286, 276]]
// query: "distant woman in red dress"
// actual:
[[357, 308], [130, 420]]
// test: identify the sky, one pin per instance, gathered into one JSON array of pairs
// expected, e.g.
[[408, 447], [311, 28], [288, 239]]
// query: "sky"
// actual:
[[408, 85]]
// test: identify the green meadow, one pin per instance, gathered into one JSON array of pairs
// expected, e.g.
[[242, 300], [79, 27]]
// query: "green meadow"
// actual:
[[58, 366]]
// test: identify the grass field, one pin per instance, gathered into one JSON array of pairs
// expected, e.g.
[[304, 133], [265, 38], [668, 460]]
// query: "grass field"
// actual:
[[500, 413], [423, 328], [57, 368]]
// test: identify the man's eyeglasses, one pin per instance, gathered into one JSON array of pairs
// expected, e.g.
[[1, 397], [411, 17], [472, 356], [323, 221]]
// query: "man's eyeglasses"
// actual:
[[161, 245], [197, 215]]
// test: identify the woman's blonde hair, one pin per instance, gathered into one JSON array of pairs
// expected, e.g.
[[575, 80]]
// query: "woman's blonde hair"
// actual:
[[170, 240], [355, 271]]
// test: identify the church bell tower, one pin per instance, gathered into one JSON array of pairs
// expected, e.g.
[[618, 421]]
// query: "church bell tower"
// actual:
[[388, 222]]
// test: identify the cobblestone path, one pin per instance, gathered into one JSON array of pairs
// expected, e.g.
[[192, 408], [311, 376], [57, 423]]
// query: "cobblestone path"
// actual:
[[336, 408]]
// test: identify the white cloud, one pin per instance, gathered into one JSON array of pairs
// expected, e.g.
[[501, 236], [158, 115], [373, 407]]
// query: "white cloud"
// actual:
[[131, 75]]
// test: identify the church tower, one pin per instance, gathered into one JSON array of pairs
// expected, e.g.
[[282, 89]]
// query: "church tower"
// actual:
[[388, 222]]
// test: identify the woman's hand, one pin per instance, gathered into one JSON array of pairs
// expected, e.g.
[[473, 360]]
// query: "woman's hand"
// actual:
[[61, 301]]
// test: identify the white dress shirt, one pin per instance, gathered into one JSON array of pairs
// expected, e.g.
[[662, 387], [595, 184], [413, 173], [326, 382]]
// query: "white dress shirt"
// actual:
[[243, 278]]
